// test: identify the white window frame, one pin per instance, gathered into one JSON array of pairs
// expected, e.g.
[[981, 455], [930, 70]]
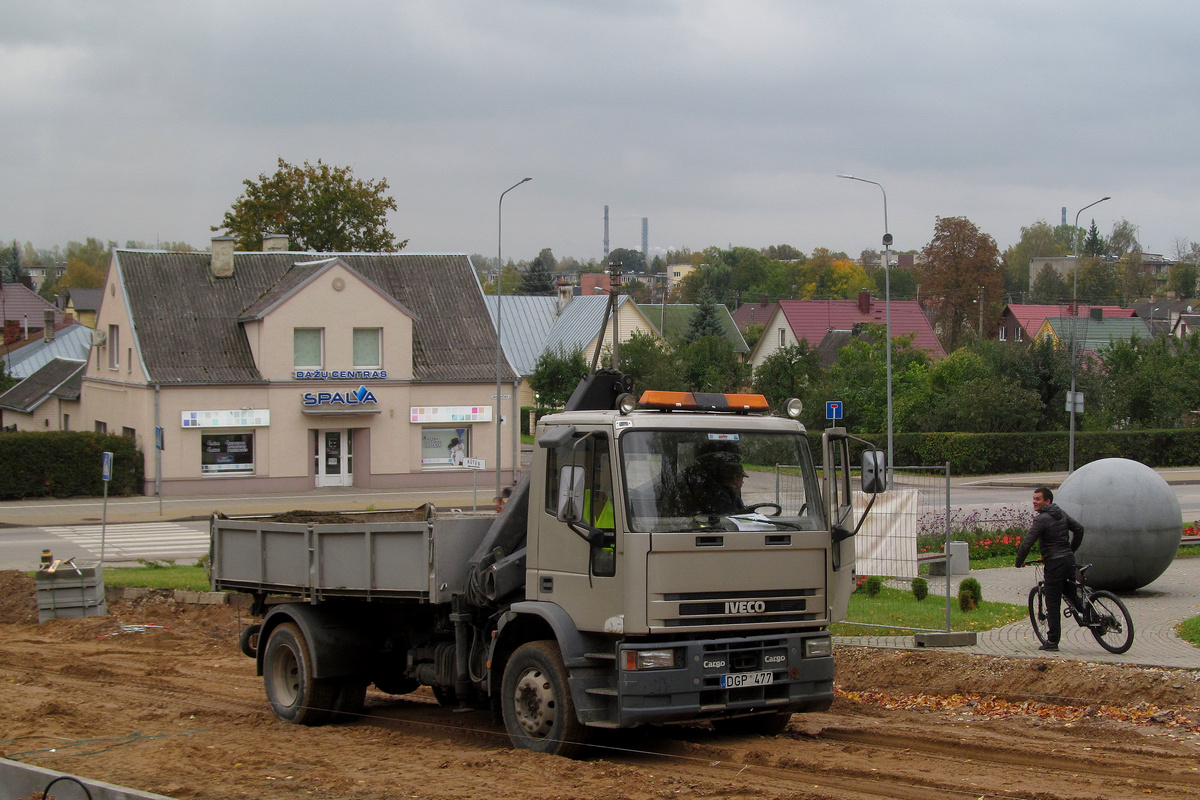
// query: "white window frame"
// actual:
[[378, 360], [320, 332]]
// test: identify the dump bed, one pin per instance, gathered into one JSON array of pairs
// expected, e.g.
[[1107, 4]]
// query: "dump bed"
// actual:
[[366, 555]]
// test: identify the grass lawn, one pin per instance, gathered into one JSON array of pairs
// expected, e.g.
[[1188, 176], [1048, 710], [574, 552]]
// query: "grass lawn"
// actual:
[[1189, 630], [192, 578], [898, 607]]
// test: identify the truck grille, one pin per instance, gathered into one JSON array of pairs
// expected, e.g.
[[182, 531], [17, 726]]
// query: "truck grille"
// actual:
[[775, 607]]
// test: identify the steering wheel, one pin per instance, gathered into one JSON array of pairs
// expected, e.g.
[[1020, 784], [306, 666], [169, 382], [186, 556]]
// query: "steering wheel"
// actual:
[[757, 506]]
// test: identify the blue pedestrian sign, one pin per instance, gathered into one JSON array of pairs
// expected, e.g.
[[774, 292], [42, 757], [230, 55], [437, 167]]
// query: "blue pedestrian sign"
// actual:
[[833, 409], [106, 467]]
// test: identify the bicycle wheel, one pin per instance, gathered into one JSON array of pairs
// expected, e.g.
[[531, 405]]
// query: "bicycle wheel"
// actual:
[[1037, 613], [1109, 621]]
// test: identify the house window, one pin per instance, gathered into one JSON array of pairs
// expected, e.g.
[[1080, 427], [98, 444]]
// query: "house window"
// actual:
[[781, 337], [128, 433], [366, 347], [1018, 333], [114, 347], [444, 448], [1003, 334], [308, 347], [101, 427], [226, 453], [66, 422]]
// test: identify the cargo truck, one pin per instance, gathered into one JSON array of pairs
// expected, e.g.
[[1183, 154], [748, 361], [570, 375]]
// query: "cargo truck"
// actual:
[[613, 590]]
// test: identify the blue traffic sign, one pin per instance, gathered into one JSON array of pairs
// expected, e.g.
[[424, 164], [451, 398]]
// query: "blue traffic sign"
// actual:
[[833, 409]]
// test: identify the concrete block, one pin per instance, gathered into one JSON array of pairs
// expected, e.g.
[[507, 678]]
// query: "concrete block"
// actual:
[[213, 598]]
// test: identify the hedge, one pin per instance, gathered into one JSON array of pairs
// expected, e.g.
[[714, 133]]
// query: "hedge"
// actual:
[[1007, 453], [67, 464]]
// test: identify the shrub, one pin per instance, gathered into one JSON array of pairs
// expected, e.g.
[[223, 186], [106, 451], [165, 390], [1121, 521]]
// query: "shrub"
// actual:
[[873, 586], [920, 588], [970, 594]]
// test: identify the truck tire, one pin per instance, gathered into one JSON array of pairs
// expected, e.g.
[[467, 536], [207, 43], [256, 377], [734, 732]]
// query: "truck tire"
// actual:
[[536, 702], [761, 724], [295, 695], [248, 640]]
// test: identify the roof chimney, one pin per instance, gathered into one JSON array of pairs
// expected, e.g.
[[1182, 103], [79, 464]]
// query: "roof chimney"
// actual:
[[864, 302], [274, 241], [48, 325], [222, 257], [564, 295]]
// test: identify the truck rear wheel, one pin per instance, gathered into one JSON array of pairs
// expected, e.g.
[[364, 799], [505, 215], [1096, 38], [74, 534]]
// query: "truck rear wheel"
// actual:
[[295, 695], [536, 702]]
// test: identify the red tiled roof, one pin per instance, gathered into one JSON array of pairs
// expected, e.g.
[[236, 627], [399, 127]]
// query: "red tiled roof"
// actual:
[[753, 314], [20, 303], [812, 319]]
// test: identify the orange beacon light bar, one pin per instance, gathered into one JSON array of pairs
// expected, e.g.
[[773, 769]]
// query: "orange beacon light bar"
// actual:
[[703, 401]]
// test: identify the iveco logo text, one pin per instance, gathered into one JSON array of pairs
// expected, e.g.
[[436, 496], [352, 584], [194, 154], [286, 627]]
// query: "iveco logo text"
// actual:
[[746, 607], [362, 395]]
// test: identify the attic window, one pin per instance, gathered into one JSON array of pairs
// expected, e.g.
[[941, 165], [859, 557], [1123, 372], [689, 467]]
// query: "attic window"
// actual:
[[308, 347], [366, 348]]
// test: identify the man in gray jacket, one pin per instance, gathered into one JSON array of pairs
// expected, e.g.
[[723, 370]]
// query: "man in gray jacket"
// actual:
[[1050, 527]]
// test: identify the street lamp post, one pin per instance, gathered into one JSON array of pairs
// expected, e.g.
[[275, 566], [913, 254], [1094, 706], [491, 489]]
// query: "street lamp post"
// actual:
[[887, 300], [1074, 398], [499, 345]]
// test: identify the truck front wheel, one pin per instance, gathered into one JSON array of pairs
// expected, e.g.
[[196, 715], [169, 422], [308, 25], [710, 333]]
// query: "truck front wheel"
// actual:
[[536, 700], [295, 695]]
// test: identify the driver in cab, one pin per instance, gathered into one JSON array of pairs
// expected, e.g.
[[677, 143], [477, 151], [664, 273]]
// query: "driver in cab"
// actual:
[[723, 485]]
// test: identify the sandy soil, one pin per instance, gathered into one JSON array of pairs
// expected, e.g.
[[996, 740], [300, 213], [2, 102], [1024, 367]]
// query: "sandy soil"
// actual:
[[178, 710]]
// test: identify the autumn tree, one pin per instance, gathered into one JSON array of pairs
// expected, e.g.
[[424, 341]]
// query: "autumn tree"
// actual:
[[87, 265], [1038, 240], [960, 261], [1182, 279], [319, 207]]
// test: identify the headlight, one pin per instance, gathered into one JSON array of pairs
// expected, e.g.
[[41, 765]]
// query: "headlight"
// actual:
[[793, 407], [818, 648], [649, 659]]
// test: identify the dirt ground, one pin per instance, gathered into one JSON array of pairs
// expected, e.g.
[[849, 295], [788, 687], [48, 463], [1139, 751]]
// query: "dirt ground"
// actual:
[[158, 697]]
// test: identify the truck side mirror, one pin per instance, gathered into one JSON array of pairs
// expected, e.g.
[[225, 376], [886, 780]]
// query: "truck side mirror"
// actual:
[[570, 493], [874, 471]]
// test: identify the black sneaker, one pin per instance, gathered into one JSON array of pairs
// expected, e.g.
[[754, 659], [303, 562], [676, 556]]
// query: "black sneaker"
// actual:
[[1050, 646]]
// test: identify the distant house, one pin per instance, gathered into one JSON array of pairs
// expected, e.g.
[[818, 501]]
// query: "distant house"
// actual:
[[532, 326], [84, 304], [1021, 322], [46, 400], [812, 320], [1093, 332], [1164, 317], [674, 320], [750, 314], [675, 275], [24, 311]]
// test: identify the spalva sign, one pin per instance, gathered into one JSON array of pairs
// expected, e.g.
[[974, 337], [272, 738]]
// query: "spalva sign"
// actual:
[[359, 397]]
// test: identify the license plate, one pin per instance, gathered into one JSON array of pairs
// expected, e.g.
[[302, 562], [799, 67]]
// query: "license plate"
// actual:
[[733, 680]]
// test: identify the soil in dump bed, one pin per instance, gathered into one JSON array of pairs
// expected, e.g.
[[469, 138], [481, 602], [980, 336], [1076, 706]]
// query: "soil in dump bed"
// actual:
[[303, 517]]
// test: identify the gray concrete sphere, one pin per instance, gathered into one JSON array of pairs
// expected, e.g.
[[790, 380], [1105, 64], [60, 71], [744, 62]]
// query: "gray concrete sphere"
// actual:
[[1131, 519]]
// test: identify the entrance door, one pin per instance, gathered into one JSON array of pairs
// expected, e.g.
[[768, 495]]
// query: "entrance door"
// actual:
[[334, 458]]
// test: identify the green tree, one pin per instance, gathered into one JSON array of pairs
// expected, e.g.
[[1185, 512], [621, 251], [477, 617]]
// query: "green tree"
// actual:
[[1094, 244], [788, 372], [1182, 279], [10, 263], [1123, 239], [630, 261], [960, 261], [705, 320], [1098, 281], [318, 206], [538, 278], [710, 365], [1049, 286], [962, 393], [782, 252], [859, 379], [650, 364], [556, 375], [1149, 383], [1038, 240]]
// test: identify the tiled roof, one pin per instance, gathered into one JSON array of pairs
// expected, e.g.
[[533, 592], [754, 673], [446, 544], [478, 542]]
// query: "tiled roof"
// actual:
[[812, 319], [20, 303], [675, 320], [61, 377], [186, 321], [1095, 334], [1030, 316], [749, 314], [71, 342], [86, 299]]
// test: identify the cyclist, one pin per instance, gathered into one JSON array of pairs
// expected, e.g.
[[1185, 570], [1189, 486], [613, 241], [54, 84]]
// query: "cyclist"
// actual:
[[1050, 526]]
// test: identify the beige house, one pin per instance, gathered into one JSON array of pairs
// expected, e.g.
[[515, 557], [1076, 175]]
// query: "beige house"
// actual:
[[283, 371]]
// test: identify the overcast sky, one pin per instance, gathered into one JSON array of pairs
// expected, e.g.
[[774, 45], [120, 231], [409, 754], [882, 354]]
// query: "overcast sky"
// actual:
[[723, 123]]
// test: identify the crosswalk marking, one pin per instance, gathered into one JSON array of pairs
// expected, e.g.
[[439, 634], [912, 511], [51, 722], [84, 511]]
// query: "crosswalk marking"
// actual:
[[127, 541]]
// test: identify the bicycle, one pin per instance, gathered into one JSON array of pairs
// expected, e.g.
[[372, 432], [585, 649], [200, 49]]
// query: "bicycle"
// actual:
[[1099, 610]]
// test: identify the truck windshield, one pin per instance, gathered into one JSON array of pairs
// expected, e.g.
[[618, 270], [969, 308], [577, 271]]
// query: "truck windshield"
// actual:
[[679, 480]]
